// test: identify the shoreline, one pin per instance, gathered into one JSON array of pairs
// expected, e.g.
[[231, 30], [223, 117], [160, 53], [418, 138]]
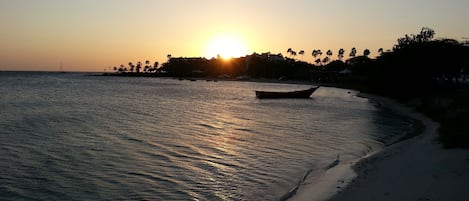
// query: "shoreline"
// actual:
[[415, 167]]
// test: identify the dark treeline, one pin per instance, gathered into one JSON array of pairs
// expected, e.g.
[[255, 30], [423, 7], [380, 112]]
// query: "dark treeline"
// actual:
[[418, 64], [264, 65], [427, 74]]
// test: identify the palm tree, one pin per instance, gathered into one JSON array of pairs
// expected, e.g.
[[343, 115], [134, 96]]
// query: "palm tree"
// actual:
[[380, 51], [366, 52], [315, 54], [155, 66], [131, 67], [139, 66], [318, 61], [147, 66], [302, 52], [326, 59], [353, 52], [293, 53], [329, 54], [341, 53]]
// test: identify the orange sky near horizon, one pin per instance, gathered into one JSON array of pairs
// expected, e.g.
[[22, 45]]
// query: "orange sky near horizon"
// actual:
[[90, 35]]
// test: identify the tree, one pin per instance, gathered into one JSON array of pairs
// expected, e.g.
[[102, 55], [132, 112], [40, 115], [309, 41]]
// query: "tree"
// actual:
[[329, 53], [318, 61], [326, 59], [155, 66], [353, 52], [314, 54], [341, 54], [139, 66], [421, 64], [380, 51], [146, 67], [366, 52], [293, 53], [302, 52], [426, 34], [289, 51], [131, 67]]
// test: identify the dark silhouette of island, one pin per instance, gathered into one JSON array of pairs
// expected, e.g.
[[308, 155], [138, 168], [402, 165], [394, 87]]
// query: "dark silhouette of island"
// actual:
[[427, 73]]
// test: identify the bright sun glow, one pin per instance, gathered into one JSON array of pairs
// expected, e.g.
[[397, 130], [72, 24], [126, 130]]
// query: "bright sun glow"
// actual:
[[226, 46]]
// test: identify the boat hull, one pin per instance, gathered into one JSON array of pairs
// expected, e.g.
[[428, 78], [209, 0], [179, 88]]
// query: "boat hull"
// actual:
[[290, 94]]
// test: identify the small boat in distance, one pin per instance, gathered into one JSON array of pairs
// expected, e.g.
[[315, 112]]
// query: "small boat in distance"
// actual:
[[289, 94]]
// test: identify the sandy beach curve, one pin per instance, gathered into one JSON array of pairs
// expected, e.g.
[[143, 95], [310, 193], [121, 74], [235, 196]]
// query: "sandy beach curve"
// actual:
[[416, 169]]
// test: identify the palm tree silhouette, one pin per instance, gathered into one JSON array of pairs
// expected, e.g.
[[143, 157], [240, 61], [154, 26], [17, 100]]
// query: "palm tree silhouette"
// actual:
[[155, 66], [353, 52], [317, 52], [380, 51], [326, 59], [341, 53], [329, 53], [131, 67], [302, 52], [293, 53], [366, 52], [139, 66], [318, 61], [147, 66]]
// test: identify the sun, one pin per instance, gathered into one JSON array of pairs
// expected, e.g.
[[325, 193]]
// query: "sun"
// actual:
[[226, 46]]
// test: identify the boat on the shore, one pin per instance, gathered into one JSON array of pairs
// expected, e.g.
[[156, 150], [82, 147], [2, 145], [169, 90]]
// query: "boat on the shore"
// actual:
[[288, 94]]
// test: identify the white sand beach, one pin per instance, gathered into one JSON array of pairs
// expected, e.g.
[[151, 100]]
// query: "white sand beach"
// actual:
[[417, 169]]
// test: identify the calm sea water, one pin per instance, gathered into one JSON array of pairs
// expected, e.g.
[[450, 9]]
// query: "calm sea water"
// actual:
[[76, 137]]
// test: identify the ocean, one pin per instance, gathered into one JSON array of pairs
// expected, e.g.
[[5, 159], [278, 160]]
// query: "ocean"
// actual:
[[72, 136]]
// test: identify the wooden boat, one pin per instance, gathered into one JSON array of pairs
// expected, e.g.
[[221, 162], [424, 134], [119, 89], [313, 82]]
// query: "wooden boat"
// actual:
[[289, 94]]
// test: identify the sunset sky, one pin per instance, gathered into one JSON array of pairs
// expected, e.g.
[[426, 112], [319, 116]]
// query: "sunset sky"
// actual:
[[93, 35]]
